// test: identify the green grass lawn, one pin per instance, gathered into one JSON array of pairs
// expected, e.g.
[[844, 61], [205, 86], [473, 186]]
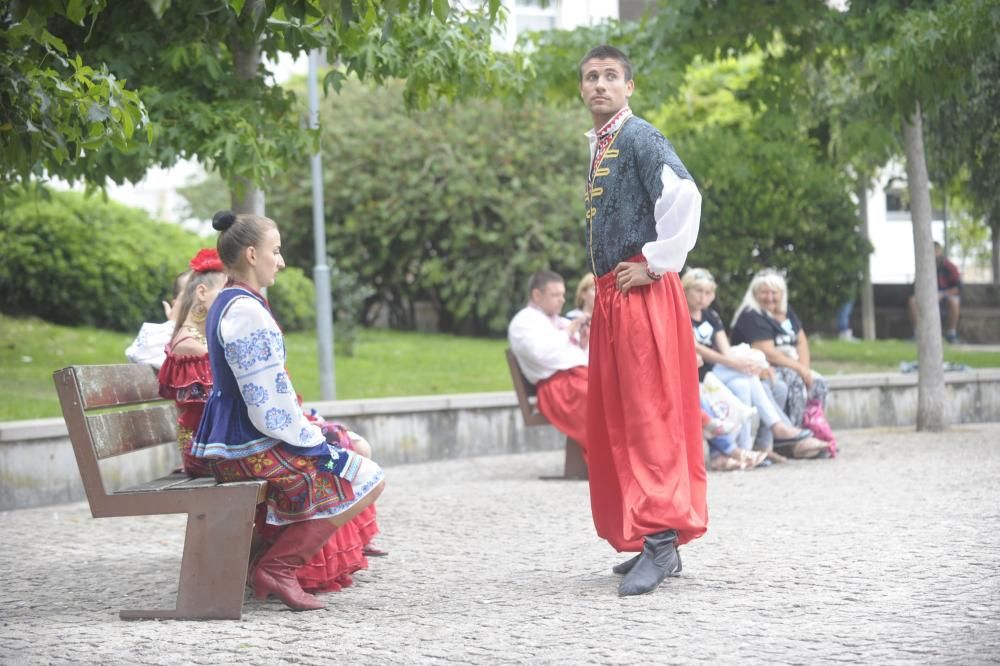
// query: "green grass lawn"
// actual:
[[385, 364], [831, 357]]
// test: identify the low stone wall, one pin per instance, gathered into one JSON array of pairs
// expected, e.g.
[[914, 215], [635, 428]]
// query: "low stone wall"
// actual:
[[37, 466], [978, 323], [868, 401]]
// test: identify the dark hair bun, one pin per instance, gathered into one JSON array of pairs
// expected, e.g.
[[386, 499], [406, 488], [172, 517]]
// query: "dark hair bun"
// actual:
[[223, 220]]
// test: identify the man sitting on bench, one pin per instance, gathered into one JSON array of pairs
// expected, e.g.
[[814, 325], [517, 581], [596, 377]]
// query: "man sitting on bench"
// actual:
[[547, 347]]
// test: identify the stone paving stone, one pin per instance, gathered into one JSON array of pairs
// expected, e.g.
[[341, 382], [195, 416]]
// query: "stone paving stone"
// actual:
[[888, 554]]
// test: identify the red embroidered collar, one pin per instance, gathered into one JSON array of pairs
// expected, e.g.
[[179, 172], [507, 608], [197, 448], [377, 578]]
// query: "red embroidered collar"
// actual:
[[605, 136]]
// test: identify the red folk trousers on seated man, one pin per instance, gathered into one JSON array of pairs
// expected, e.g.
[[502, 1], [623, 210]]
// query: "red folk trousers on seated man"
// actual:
[[562, 399], [644, 441]]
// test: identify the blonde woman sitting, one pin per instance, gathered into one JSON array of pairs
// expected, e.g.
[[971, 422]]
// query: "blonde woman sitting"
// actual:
[[766, 322]]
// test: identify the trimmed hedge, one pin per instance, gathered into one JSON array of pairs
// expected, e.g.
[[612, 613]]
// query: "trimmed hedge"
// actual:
[[769, 202], [456, 206], [75, 260]]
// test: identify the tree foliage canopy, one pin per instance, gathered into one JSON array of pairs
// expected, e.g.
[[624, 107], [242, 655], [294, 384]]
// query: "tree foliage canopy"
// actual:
[[54, 106], [79, 77]]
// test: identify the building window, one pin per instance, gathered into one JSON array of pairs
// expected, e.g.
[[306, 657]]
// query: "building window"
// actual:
[[896, 201], [531, 16]]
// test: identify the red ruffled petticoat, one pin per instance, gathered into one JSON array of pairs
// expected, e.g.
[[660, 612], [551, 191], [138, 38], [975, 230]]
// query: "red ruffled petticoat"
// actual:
[[187, 380], [331, 568]]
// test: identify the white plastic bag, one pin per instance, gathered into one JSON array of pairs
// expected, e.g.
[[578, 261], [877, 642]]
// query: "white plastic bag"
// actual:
[[729, 411], [743, 350]]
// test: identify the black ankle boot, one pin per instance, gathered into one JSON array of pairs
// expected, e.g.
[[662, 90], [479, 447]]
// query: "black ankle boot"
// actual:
[[659, 559], [623, 568]]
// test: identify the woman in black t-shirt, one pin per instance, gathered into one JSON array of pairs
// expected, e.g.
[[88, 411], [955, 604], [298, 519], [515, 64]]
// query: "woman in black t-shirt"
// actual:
[[766, 322]]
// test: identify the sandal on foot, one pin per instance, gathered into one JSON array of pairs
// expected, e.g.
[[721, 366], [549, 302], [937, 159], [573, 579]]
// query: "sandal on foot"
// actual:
[[805, 433], [809, 448], [725, 464]]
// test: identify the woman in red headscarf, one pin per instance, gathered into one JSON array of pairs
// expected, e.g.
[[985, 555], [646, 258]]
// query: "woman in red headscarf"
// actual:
[[185, 376]]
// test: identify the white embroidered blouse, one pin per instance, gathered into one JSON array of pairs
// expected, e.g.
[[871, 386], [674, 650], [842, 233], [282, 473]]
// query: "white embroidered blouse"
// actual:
[[255, 351]]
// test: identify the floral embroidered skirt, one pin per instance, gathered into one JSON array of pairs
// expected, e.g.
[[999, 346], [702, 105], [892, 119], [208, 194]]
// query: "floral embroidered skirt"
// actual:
[[193, 467], [298, 488], [330, 569]]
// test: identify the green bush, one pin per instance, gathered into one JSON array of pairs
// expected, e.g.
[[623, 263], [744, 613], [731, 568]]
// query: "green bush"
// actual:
[[349, 297], [773, 193], [293, 300], [768, 202], [456, 206], [76, 260]]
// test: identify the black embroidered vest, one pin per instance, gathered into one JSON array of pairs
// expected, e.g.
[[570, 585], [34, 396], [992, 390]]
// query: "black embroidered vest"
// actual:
[[623, 191]]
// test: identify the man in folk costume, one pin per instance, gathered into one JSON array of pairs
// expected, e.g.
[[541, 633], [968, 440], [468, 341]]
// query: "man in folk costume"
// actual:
[[547, 347], [645, 455]]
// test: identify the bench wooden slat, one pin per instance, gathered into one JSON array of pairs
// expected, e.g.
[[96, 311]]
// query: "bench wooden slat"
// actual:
[[180, 481], [525, 391], [116, 433], [114, 385], [170, 482], [575, 467]]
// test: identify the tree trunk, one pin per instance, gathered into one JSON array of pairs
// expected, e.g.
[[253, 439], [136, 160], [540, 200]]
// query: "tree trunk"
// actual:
[[867, 294], [994, 223], [930, 387], [246, 196]]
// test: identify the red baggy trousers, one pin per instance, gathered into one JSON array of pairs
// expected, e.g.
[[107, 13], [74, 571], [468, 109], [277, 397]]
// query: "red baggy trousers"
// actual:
[[645, 452], [562, 399]]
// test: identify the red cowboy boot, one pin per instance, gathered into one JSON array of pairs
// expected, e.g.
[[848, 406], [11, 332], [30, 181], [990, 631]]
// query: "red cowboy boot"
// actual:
[[275, 571]]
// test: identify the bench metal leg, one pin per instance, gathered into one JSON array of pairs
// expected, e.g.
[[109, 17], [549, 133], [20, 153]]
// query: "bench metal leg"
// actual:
[[214, 566], [575, 466]]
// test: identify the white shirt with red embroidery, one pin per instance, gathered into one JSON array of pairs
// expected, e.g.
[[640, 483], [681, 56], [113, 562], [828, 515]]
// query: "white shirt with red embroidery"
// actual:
[[542, 344]]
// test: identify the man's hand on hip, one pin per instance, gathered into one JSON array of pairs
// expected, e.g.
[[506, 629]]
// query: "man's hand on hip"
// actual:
[[631, 274]]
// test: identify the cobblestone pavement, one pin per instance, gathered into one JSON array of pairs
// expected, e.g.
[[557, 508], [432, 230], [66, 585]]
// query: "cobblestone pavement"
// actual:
[[888, 554]]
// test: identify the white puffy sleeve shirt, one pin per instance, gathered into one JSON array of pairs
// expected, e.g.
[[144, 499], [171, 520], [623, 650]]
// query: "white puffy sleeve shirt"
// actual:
[[678, 217], [255, 351], [542, 349]]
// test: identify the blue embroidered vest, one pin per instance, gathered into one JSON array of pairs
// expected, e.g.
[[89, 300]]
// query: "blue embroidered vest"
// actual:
[[225, 430], [622, 193]]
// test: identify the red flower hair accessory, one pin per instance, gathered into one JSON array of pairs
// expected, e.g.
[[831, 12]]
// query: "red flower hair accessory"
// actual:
[[207, 261]]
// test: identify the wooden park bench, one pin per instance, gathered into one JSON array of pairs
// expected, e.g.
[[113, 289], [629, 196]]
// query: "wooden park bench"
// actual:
[[575, 467], [114, 410]]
